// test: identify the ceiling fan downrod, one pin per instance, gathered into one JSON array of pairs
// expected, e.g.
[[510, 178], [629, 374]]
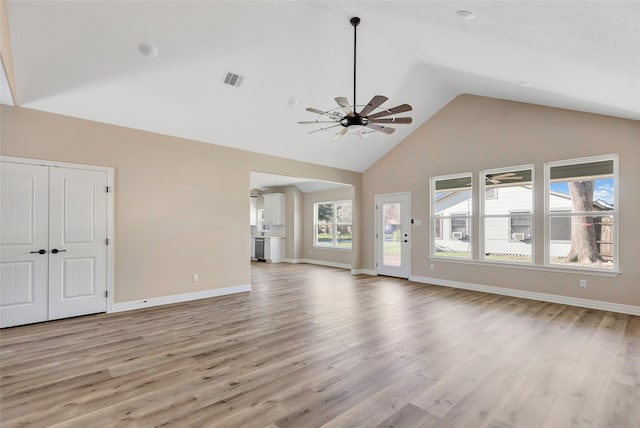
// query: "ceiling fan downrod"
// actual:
[[354, 21]]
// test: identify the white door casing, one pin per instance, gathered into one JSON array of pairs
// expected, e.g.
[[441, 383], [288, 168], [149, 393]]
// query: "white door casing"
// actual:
[[393, 234], [24, 201], [65, 210], [77, 234]]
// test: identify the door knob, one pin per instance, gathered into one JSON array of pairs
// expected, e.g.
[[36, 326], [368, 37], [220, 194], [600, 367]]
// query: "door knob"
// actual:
[[56, 251], [39, 252]]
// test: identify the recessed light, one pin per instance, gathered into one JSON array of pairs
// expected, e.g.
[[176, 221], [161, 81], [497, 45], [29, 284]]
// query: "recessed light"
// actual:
[[466, 15], [525, 83], [147, 49], [293, 101]]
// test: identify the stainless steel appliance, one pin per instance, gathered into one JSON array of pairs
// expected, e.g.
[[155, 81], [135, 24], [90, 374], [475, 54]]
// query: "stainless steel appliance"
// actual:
[[260, 249]]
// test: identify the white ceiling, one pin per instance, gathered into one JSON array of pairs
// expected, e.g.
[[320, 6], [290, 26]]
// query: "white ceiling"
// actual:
[[80, 58], [262, 180]]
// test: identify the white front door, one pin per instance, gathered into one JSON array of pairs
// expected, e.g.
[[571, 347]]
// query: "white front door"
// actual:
[[78, 251], [24, 248], [393, 234]]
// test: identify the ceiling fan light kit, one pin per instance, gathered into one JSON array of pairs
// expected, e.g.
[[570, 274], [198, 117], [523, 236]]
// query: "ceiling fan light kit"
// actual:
[[347, 116]]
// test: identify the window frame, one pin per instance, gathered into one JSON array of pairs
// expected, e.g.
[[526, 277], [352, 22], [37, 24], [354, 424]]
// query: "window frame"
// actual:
[[548, 215], [509, 215], [334, 225]]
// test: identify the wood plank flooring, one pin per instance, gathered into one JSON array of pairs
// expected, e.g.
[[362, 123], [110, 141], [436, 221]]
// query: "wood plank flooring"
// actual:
[[313, 346]]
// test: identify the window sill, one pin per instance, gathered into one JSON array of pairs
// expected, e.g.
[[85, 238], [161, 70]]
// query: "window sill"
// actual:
[[319, 247], [575, 271]]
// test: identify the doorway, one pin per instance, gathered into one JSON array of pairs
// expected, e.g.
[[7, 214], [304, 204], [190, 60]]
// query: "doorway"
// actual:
[[393, 234]]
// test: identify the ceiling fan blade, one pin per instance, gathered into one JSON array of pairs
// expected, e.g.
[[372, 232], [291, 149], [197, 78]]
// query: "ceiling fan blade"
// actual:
[[384, 129], [503, 175], [393, 110], [373, 104], [317, 121], [322, 129], [493, 181], [404, 120], [333, 115], [341, 133], [511, 178], [344, 103]]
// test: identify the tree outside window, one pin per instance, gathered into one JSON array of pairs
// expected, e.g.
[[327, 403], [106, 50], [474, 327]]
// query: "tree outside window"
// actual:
[[333, 224]]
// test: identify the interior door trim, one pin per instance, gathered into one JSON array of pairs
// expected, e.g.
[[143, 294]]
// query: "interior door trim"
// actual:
[[110, 220]]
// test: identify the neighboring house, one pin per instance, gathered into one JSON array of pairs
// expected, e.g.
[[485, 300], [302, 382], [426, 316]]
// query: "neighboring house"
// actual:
[[503, 235]]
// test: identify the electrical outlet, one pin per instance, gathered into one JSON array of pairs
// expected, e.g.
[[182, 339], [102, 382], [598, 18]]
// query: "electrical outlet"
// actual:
[[195, 277], [433, 267], [583, 283]]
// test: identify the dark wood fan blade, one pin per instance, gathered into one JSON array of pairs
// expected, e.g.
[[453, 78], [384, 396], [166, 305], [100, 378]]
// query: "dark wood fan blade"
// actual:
[[393, 110], [322, 129], [317, 121], [331, 115], [344, 103], [341, 133], [403, 120], [373, 104], [381, 128]]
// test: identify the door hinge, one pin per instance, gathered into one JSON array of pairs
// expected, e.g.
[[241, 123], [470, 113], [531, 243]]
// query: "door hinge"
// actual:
[[106, 241], [108, 189], [106, 293]]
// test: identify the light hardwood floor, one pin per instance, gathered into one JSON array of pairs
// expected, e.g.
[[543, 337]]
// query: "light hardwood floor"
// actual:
[[314, 346]]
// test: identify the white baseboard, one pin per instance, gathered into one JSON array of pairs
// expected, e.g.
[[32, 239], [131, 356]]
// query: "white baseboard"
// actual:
[[554, 298], [176, 298], [319, 262], [371, 272]]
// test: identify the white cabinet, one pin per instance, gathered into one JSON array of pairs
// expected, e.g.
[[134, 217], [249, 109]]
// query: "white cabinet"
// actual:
[[253, 211], [274, 208], [274, 250], [253, 248]]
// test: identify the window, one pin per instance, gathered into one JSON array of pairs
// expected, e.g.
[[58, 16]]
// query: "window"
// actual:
[[507, 221], [581, 214], [451, 202], [332, 224], [520, 227]]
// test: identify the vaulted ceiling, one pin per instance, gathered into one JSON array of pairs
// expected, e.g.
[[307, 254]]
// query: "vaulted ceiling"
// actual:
[[82, 59]]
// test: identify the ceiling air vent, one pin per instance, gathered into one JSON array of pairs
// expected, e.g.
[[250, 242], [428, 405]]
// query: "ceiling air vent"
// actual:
[[233, 79]]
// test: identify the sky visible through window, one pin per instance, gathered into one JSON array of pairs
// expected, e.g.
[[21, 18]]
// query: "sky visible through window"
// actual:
[[603, 189]]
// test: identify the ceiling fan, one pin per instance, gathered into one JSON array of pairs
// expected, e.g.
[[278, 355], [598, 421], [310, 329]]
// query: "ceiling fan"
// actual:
[[362, 122], [499, 178]]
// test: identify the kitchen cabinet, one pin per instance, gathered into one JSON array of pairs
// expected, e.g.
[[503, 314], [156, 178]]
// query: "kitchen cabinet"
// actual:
[[253, 248], [274, 208], [274, 249], [253, 211]]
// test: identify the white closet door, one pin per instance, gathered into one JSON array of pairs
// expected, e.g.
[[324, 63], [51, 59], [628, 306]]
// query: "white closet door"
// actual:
[[77, 234], [24, 200]]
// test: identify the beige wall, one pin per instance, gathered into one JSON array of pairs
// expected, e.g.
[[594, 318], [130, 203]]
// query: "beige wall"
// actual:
[[475, 133], [295, 222], [325, 254], [180, 205]]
